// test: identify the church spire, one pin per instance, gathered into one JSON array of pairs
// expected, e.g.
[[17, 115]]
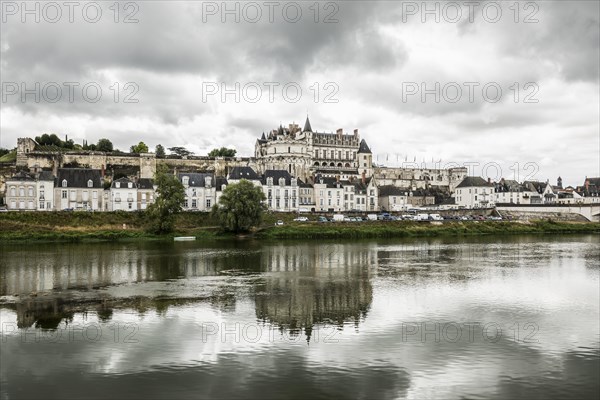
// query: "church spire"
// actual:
[[307, 127]]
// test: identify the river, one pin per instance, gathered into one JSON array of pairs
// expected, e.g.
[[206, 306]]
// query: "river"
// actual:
[[451, 318]]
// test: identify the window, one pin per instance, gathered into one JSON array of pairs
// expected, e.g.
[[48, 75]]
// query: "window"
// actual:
[[281, 181], [208, 203], [129, 184], [270, 181], [185, 203], [91, 184], [13, 204], [185, 180], [208, 182], [22, 191], [289, 149], [30, 191], [64, 183], [64, 194], [72, 195], [41, 194], [94, 195], [41, 205], [130, 205], [117, 185], [194, 203], [13, 191]]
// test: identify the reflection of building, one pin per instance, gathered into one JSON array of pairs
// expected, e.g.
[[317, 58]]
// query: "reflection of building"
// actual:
[[309, 285]]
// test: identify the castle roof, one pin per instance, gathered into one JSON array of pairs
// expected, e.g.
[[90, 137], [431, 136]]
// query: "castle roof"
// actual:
[[364, 148], [307, 127]]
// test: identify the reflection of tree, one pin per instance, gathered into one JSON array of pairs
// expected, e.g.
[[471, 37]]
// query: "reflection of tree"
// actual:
[[90, 266], [308, 285]]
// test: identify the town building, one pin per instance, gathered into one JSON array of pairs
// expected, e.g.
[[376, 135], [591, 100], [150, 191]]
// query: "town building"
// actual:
[[123, 195], [200, 191], [78, 189], [281, 190], [30, 191], [145, 193], [474, 192]]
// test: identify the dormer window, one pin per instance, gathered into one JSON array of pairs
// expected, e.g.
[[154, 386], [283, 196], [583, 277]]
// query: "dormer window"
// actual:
[[64, 183], [281, 181], [90, 183], [129, 185], [186, 180], [208, 181], [117, 185], [270, 181], [294, 182]]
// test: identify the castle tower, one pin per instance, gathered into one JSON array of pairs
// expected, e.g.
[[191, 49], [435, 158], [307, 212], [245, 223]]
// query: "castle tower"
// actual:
[[365, 159]]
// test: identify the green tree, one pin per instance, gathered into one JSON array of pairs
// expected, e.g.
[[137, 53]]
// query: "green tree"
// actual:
[[104, 145], [222, 152], [170, 196], [160, 151], [180, 151], [240, 207], [141, 147], [3, 151]]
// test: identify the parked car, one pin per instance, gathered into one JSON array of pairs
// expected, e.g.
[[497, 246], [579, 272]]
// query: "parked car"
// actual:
[[435, 217], [322, 219], [301, 219], [279, 222]]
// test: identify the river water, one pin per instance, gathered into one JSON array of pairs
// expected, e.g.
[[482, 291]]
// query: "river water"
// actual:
[[511, 317]]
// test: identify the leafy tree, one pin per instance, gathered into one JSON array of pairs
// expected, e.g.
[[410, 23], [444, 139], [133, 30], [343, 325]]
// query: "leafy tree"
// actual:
[[222, 152], [240, 207], [3, 151], [141, 147], [104, 145], [170, 196], [160, 151], [180, 151]]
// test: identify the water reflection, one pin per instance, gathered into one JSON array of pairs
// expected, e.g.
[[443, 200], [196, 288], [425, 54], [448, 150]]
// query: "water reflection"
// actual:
[[248, 319], [307, 285]]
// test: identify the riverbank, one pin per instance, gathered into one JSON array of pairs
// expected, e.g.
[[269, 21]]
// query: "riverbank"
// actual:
[[82, 226]]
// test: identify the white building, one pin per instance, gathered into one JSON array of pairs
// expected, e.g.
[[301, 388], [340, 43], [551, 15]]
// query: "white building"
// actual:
[[145, 193], [78, 189], [281, 191], [200, 191], [474, 192], [123, 195]]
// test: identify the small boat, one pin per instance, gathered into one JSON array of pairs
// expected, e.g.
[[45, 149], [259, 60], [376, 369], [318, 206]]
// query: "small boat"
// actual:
[[184, 238]]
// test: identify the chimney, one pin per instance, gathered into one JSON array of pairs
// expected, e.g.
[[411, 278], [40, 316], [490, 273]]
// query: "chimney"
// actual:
[[356, 133], [337, 178], [364, 177], [102, 171], [489, 180], [340, 132]]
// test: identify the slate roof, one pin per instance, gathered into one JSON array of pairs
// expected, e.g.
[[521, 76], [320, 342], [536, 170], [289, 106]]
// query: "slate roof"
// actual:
[[277, 174], [243, 173], [391, 190], [22, 176], [472, 181], [220, 181], [46, 176], [78, 177], [145, 183], [364, 148], [123, 183], [196, 179], [535, 186], [307, 127]]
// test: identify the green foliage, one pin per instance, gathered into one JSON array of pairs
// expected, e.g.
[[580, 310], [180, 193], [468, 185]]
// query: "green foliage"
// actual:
[[3, 151], [170, 196], [104, 145], [9, 157], [240, 207], [53, 140], [141, 147], [160, 151], [222, 152], [180, 151]]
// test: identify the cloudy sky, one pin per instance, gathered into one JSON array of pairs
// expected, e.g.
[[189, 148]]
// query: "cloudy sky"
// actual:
[[513, 88]]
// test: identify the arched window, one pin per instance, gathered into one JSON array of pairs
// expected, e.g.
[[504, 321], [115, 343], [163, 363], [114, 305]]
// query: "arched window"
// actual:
[[64, 183], [339, 164], [331, 164], [347, 165], [90, 183], [324, 164]]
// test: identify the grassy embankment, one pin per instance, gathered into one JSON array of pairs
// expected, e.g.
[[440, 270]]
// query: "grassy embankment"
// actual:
[[85, 226]]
